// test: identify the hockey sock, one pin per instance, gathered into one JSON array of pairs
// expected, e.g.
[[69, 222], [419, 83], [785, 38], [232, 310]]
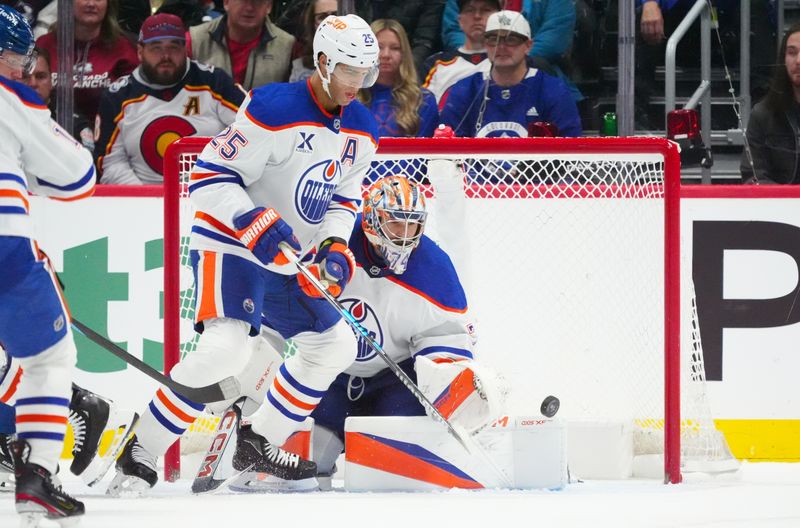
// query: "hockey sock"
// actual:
[[42, 403]]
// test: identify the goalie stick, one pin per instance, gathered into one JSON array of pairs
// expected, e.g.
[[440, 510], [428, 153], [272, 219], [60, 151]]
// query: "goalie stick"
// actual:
[[467, 443], [220, 391]]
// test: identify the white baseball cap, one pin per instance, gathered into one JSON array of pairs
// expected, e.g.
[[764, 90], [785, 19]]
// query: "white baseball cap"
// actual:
[[508, 22]]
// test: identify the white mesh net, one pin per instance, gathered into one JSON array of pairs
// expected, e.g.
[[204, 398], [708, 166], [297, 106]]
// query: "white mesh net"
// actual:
[[562, 258]]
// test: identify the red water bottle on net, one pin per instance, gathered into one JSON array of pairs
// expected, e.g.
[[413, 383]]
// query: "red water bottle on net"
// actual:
[[513, 5]]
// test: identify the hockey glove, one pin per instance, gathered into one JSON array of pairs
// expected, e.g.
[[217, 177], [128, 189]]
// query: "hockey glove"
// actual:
[[466, 393], [261, 230], [333, 265]]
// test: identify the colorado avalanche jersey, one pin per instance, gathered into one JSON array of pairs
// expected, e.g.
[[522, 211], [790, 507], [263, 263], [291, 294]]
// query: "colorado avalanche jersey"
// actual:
[[509, 109], [287, 152], [421, 312], [36, 155], [138, 119]]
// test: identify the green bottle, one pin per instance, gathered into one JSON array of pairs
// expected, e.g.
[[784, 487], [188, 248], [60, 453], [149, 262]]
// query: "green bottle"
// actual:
[[609, 124]]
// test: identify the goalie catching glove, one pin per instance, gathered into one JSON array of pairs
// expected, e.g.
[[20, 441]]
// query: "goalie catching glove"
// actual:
[[261, 230], [333, 265], [469, 395]]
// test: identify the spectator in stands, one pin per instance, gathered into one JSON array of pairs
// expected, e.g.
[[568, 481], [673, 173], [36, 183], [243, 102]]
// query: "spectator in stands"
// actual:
[[302, 56], [245, 43], [508, 99], [41, 81], [165, 98], [552, 24], [773, 133], [102, 54], [400, 106], [421, 19], [442, 70]]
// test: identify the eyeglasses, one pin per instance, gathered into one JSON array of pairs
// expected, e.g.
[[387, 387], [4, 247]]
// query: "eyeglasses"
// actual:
[[319, 17], [511, 40]]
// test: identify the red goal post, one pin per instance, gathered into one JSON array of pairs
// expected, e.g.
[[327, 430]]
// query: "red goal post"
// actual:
[[503, 170]]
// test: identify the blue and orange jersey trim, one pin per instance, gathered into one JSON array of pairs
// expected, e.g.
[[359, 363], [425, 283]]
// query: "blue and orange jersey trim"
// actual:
[[24, 93]]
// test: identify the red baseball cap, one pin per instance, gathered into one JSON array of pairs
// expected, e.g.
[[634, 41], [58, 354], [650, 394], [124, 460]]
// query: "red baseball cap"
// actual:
[[162, 26]]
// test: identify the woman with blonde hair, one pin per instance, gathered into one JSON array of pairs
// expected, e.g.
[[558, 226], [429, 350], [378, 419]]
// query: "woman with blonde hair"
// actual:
[[402, 108]]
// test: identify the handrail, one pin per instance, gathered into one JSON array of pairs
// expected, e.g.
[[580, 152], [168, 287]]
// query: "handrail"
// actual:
[[700, 9]]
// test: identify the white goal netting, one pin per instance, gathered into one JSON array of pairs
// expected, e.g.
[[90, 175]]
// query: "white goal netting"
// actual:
[[560, 246]]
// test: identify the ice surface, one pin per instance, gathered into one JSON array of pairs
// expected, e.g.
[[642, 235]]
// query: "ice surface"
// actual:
[[763, 495]]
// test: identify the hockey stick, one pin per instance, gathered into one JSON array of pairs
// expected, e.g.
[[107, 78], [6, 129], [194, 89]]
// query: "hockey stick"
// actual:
[[392, 364], [222, 390]]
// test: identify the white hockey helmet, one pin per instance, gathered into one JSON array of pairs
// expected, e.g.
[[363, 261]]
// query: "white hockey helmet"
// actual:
[[394, 219], [347, 41]]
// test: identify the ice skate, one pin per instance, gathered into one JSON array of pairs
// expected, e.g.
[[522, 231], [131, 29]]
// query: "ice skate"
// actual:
[[37, 496], [267, 467], [136, 471], [88, 415], [6, 464]]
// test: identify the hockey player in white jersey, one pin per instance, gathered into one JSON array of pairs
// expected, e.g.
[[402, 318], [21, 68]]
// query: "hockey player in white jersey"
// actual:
[[38, 156], [288, 170], [407, 294]]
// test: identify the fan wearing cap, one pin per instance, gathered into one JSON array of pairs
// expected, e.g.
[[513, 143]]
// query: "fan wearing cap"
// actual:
[[166, 97], [502, 102]]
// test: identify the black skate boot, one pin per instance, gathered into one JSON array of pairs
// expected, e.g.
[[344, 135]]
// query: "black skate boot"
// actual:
[[88, 416], [37, 496], [6, 464], [267, 467], [136, 470]]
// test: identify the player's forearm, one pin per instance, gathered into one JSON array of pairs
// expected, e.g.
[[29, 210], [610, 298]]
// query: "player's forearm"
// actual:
[[223, 202]]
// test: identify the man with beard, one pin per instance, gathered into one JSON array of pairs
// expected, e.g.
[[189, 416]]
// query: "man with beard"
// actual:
[[165, 98]]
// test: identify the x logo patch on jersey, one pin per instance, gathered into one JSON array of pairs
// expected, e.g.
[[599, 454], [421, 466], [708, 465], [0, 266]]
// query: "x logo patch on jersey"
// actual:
[[305, 143]]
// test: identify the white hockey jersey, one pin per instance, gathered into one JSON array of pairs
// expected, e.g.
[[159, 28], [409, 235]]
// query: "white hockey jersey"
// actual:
[[286, 152], [138, 120], [37, 156], [421, 312]]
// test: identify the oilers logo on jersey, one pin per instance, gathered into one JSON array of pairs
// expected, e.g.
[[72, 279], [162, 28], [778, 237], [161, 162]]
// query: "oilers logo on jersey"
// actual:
[[365, 315], [315, 190]]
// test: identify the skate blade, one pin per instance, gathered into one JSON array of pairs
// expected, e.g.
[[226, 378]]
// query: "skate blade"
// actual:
[[33, 519], [119, 431], [127, 486], [255, 482]]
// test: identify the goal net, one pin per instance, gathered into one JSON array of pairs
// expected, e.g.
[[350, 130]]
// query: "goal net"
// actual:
[[569, 251]]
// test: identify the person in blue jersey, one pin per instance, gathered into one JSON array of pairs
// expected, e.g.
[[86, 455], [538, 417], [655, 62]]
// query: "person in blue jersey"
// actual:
[[285, 175], [407, 294], [402, 108], [37, 156], [512, 95]]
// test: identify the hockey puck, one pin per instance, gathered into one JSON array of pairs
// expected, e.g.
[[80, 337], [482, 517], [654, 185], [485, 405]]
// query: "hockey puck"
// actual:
[[550, 406]]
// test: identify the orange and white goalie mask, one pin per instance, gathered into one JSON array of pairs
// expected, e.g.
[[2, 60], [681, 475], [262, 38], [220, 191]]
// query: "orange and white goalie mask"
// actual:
[[394, 219]]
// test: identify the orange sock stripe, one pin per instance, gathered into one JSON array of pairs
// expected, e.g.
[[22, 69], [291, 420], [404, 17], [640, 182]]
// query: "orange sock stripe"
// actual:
[[174, 408], [294, 401], [42, 418], [13, 388]]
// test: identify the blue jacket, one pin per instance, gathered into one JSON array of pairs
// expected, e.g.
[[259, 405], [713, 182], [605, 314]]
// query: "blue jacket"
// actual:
[[552, 24]]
